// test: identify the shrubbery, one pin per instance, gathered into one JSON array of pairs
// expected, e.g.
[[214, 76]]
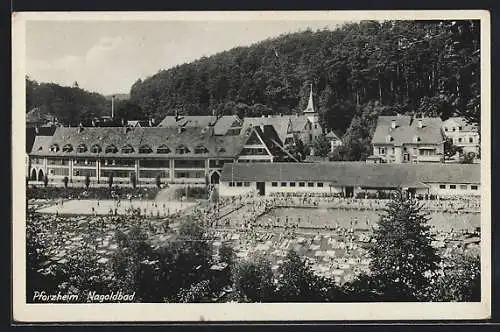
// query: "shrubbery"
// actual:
[[91, 193], [192, 192]]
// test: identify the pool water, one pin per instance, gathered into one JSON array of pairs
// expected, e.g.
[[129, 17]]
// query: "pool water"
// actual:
[[362, 219]]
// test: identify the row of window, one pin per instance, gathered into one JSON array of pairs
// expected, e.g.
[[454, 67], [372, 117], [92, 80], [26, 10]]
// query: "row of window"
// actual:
[[463, 140], [459, 128], [416, 139], [96, 148], [454, 186], [131, 162], [239, 184], [300, 184]]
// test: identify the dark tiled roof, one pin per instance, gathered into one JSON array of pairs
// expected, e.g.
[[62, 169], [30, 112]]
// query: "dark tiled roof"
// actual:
[[281, 123], [224, 123], [154, 137], [406, 130], [355, 173], [221, 124]]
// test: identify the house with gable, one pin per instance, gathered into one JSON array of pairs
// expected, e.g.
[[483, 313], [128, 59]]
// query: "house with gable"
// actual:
[[406, 139]]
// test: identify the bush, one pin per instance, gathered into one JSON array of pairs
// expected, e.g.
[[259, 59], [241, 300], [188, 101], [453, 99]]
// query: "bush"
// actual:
[[91, 193], [192, 192], [133, 180]]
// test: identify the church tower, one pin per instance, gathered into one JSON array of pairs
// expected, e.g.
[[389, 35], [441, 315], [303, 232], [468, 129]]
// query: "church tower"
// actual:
[[313, 116]]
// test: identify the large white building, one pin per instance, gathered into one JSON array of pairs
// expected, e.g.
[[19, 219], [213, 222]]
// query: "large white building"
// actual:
[[463, 134], [406, 139]]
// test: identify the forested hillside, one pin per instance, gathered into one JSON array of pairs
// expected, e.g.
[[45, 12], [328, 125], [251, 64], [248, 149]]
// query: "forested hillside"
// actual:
[[359, 70], [69, 104]]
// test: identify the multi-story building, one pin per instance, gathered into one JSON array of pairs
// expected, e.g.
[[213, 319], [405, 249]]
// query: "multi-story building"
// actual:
[[176, 154], [405, 139], [463, 134]]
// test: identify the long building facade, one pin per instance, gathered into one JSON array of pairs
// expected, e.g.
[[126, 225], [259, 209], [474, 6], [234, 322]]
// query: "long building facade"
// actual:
[[350, 178], [175, 154]]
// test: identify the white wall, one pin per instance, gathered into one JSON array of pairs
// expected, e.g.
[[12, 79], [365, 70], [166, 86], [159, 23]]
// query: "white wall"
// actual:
[[435, 190]]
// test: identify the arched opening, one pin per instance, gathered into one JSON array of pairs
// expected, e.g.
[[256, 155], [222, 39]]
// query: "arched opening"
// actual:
[[215, 178], [33, 175], [40, 175]]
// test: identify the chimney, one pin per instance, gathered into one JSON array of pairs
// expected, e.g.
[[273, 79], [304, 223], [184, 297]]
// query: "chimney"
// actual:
[[112, 106], [393, 124], [420, 123]]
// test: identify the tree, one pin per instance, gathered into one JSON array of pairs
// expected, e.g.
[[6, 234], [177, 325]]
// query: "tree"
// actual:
[[467, 158], [321, 146], [133, 180], [254, 280], [460, 280], [298, 282], [65, 181], [128, 110], [87, 181], [110, 180], [45, 180], [158, 181], [450, 149], [402, 257]]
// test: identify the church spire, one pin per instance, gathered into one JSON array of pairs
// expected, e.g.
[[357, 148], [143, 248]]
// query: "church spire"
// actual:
[[310, 105]]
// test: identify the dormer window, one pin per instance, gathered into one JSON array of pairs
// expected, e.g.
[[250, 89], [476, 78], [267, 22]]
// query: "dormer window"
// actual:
[[389, 138], [145, 149], [54, 148], [67, 148], [200, 149], [182, 149], [221, 149], [127, 149], [81, 148], [417, 139], [111, 149], [96, 148], [163, 149]]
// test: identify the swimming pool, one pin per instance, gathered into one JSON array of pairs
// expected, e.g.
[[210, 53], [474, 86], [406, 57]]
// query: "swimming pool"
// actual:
[[361, 219]]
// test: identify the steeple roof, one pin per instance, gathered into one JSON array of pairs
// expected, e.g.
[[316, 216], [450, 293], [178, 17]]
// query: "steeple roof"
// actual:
[[310, 104]]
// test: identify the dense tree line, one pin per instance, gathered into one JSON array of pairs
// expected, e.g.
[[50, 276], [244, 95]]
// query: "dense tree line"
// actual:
[[69, 105], [409, 66], [73, 105]]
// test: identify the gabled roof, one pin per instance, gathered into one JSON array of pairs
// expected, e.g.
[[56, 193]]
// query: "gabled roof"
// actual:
[[332, 135], [407, 129], [283, 124], [136, 137], [355, 173]]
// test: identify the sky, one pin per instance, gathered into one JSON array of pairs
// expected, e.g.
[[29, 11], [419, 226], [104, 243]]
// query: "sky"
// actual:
[[109, 56]]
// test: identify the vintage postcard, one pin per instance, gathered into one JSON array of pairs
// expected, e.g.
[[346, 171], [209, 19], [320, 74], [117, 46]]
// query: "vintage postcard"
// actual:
[[251, 166]]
